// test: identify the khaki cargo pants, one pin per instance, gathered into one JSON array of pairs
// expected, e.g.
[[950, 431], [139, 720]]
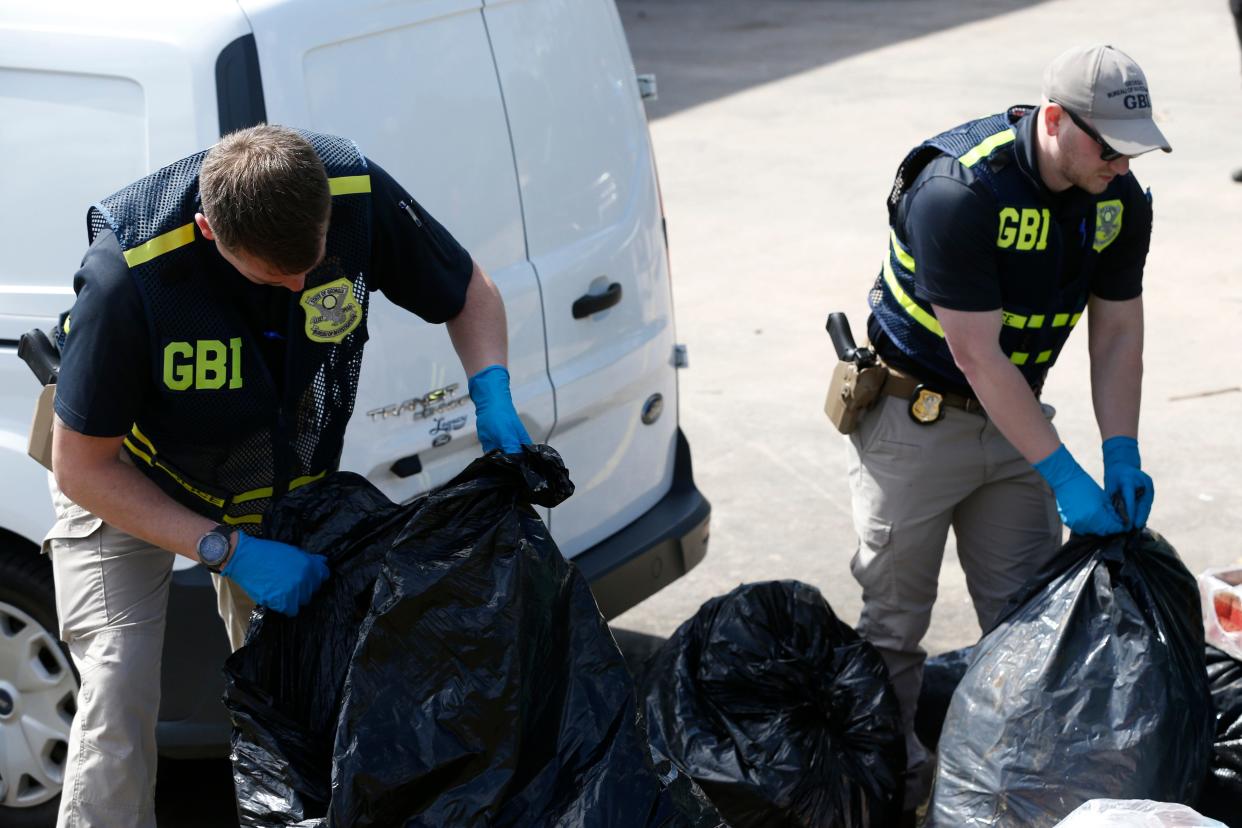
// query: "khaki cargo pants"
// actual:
[[111, 597], [909, 484]]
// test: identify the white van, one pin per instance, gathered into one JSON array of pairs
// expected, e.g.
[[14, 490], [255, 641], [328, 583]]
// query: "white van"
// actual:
[[517, 123]]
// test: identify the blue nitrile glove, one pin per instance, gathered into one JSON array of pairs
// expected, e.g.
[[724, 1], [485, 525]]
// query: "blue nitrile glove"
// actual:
[[1083, 505], [275, 574], [498, 426], [1124, 476]]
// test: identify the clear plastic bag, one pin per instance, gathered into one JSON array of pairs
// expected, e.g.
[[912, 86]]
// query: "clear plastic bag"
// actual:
[[1092, 686], [1135, 813], [1220, 594]]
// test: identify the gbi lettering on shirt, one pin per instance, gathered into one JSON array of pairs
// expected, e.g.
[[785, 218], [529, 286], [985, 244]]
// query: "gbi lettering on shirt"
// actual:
[[1025, 229], [204, 365]]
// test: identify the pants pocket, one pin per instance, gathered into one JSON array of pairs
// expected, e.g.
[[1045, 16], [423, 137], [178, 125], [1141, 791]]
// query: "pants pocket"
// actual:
[[77, 577]]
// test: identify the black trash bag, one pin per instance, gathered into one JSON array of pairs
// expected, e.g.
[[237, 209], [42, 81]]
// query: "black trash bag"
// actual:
[[941, 675], [1222, 792], [283, 689], [471, 682], [1091, 686], [780, 712]]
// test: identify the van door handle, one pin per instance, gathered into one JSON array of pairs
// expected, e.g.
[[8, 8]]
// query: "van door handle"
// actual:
[[588, 304]]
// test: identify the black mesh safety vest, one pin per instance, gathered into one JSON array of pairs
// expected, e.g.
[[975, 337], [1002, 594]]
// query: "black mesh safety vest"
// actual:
[[218, 435], [1030, 251]]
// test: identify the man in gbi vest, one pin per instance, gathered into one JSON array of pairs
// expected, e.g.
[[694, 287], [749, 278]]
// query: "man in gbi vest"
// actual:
[[1005, 231], [209, 365]]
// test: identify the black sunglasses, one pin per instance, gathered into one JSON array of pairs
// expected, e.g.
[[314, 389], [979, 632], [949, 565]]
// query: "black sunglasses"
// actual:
[[1107, 153]]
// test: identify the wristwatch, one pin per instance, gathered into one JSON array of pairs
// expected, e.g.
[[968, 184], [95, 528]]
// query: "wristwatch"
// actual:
[[213, 547]]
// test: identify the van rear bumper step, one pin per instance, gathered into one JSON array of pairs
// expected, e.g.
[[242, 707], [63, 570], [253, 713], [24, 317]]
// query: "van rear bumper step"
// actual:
[[665, 543]]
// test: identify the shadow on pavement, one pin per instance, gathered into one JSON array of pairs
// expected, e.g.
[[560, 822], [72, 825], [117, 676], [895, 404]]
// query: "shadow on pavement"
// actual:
[[638, 650], [195, 793], [702, 50]]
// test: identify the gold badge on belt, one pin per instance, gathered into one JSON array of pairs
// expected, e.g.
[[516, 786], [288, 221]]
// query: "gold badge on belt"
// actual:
[[926, 405]]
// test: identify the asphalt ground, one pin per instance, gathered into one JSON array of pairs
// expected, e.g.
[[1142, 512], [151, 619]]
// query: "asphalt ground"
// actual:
[[777, 131]]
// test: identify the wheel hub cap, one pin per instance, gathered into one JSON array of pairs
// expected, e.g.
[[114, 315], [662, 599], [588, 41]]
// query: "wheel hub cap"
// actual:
[[37, 702]]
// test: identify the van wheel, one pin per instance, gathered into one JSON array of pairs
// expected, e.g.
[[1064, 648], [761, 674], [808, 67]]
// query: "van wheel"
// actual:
[[38, 692]]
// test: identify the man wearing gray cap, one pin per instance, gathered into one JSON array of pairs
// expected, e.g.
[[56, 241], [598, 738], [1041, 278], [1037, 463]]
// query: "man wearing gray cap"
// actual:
[[1004, 232]]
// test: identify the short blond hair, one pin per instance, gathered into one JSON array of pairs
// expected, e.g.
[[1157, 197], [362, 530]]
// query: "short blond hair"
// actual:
[[265, 192]]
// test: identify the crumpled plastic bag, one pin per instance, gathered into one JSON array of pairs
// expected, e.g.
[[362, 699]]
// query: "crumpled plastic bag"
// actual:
[[453, 670], [941, 675], [1092, 686], [1135, 813], [1222, 793], [781, 713]]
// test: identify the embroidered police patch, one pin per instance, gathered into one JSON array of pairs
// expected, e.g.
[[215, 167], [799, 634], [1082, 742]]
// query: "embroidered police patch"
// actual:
[[1107, 223], [331, 311]]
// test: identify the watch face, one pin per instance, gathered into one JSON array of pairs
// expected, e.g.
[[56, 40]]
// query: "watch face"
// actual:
[[212, 548]]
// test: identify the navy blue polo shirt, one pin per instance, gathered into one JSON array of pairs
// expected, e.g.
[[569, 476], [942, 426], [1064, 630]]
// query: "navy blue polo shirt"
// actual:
[[951, 230], [105, 372]]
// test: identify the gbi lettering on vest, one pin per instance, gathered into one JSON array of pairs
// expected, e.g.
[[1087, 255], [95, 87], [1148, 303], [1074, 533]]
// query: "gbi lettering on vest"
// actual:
[[204, 365], [1026, 229]]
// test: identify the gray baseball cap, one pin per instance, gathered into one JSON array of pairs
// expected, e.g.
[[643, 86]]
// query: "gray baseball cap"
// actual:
[[1104, 85]]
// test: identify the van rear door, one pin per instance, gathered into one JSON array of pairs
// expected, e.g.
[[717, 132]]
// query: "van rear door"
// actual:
[[594, 235], [413, 83]]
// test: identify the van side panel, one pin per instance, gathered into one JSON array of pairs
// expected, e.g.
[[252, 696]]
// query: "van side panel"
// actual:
[[92, 97], [592, 221], [414, 85]]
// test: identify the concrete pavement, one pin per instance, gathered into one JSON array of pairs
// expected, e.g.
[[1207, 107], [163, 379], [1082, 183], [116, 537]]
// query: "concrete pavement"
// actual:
[[777, 133]]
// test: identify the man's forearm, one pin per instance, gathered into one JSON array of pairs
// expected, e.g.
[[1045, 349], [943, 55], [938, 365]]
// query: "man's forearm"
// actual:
[[1117, 378], [1012, 405], [973, 338], [119, 494], [479, 332]]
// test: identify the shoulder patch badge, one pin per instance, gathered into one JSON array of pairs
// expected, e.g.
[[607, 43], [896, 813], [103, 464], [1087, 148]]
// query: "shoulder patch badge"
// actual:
[[1107, 223], [331, 311]]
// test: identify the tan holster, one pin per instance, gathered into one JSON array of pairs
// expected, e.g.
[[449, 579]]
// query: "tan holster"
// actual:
[[39, 445], [851, 392]]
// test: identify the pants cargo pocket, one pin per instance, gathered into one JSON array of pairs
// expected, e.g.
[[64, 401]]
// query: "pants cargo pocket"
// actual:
[[77, 578]]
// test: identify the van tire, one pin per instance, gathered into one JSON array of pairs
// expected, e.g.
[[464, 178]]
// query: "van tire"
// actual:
[[26, 592]]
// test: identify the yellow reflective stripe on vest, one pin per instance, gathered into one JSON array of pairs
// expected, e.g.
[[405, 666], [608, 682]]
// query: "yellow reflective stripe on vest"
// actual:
[[906, 260], [233, 521], [156, 464], [1013, 320], [1021, 358], [984, 148], [257, 494], [160, 245], [907, 302], [253, 494], [135, 432], [183, 235], [349, 184]]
